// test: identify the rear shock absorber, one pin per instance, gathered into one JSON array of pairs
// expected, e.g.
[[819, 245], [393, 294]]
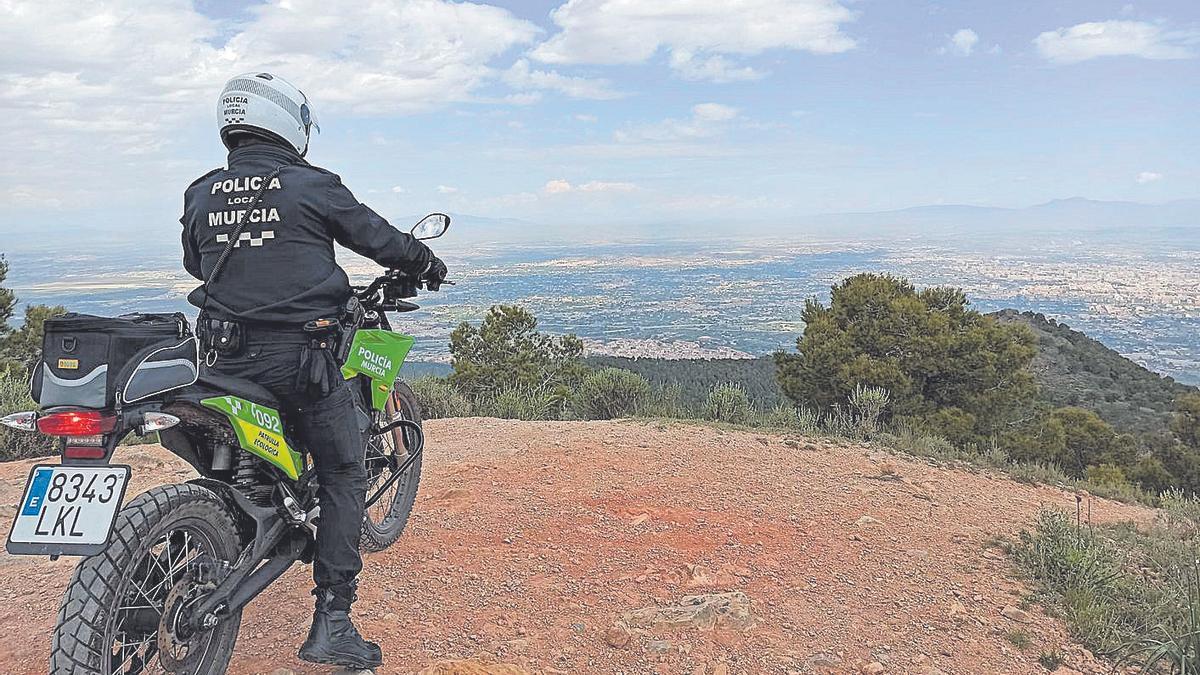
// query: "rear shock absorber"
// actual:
[[249, 481]]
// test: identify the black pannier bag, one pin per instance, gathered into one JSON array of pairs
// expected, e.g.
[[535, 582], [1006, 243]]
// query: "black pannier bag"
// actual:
[[88, 361]]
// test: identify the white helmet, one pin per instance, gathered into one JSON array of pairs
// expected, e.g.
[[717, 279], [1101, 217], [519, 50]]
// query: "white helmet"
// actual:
[[258, 103]]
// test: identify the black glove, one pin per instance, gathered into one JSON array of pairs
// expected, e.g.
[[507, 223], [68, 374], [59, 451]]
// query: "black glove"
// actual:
[[435, 274]]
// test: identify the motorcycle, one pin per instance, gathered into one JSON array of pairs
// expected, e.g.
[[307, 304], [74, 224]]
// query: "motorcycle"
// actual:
[[166, 576]]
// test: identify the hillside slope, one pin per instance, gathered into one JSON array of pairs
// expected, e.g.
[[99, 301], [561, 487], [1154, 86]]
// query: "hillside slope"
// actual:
[[535, 544], [1074, 369]]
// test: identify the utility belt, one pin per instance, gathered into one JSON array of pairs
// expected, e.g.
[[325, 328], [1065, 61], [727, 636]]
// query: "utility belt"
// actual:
[[226, 338]]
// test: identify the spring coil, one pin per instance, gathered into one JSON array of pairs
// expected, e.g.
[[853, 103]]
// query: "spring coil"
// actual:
[[248, 480]]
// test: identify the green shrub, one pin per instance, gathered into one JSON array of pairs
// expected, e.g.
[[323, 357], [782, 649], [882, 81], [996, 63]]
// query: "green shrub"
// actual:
[[519, 403], [14, 397], [868, 404], [506, 350], [1174, 644], [668, 401], [909, 440], [611, 393], [728, 403], [809, 421], [928, 347], [1037, 473], [781, 415], [1119, 587], [1180, 510], [439, 399]]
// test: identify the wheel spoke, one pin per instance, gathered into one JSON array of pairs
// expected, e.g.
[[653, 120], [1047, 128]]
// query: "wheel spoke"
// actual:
[[135, 642]]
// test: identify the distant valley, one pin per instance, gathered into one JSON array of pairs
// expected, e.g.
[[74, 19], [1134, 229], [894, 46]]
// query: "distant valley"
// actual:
[[1135, 288]]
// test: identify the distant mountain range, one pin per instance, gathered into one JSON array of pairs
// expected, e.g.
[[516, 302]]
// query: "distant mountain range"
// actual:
[[949, 220]]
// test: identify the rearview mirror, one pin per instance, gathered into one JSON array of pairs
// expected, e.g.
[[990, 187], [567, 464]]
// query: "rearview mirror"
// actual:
[[431, 226]]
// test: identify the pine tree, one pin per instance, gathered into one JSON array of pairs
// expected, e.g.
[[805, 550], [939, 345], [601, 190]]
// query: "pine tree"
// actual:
[[947, 367]]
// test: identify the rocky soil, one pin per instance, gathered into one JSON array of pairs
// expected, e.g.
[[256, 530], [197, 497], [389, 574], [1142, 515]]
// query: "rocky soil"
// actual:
[[644, 547]]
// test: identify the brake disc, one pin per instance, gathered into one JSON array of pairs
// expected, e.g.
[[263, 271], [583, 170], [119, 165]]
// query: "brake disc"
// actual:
[[180, 649]]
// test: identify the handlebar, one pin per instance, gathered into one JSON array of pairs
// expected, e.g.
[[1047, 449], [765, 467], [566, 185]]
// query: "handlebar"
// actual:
[[388, 291]]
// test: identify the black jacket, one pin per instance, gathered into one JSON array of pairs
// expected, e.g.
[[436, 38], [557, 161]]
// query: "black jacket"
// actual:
[[283, 269]]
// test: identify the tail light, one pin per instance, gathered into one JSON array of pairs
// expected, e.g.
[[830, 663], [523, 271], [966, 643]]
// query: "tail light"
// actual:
[[76, 423]]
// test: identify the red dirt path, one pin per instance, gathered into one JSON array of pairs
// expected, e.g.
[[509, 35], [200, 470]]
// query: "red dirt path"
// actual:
[[531, 540]]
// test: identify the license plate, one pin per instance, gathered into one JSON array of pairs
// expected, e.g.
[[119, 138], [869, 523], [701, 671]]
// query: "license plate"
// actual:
[[67, 510]]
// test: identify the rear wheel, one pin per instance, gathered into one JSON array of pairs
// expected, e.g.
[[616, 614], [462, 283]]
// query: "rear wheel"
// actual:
[[124, 609], [386, 453]]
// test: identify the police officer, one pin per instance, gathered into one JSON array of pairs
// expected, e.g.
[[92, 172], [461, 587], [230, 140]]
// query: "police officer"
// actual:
[[281, 274]]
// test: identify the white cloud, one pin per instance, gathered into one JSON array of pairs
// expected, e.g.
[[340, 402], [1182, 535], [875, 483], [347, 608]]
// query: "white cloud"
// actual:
[[1148, 177], [521, 76], [714, 112], [714, 68], [707, 120], [447, 190], [962, 42], [560, 186], [697, 33], [523, 98], [1115, 38], [83, 86], [557, 186], [399, 189]]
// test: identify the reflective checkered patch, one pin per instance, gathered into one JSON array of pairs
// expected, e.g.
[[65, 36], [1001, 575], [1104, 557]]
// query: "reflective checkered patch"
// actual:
[[248, 237]]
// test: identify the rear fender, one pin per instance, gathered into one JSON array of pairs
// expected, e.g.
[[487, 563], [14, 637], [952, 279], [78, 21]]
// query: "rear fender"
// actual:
[[259, 431]]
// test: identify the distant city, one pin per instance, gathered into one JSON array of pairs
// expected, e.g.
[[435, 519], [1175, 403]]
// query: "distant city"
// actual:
[[680, 299]]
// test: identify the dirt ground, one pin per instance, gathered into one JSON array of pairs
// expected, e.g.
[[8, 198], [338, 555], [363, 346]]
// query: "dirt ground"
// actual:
[[532, 545]]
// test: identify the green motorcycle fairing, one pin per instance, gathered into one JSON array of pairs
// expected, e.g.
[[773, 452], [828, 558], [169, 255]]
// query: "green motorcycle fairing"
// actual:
[[375, 354], [378, 355], [260, 431]]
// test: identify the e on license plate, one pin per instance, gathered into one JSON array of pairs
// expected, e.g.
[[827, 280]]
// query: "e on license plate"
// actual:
[[67, 509]]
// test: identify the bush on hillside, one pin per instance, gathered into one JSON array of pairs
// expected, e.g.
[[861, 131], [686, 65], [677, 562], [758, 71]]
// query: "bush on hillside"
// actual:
[[869, 404], [728, 403], [928, 348], [506, 351], [14, 397], [668, 401], [695, 378], [21, 350], [438, 399], [781, 415], [519, 403], [1074, 439], [1133, 592], [611, 393]]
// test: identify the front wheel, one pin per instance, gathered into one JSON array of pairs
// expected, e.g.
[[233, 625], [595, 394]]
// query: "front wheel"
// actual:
[[386, 454], [122, 609]]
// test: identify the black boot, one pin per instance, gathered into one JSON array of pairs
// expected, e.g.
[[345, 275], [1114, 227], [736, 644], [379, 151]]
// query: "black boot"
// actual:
[[333, 639]]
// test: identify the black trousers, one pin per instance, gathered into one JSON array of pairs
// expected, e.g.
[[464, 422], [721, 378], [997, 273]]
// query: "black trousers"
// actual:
[[325, 419]]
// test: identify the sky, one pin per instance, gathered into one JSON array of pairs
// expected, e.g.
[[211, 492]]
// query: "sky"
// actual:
[[579, 113]]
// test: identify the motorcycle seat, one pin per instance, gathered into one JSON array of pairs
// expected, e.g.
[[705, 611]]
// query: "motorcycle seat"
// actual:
[[236, 386]]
